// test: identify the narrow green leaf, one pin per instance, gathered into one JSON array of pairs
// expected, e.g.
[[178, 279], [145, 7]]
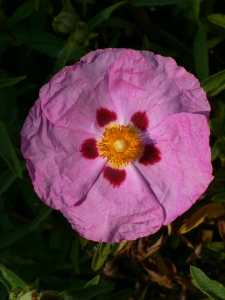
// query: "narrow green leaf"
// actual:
[[104, 14], [24, 11], [218, 90], [216, 246], [213, 82], [176, 45], [100, 256], [201, 54], [5, 221], [40, 218], [11, 236], [12, 278], [217, 19], [122, 295], [43, 42], [6, 179], [156, 2], [38, 40], [216, 149], [95, 280], [215, 127], [211, 288], [7, 152], [219, 197], [88, 292], [215, 41], [5, 282], [115, 40], [197, 6], [63, 58], [75, 255], [68, 7], [11, 81]]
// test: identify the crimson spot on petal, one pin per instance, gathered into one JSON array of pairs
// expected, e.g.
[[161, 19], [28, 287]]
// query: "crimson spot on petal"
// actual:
[[115, 176], [150, 155], [105, 116], [140, 120], [89, 149]]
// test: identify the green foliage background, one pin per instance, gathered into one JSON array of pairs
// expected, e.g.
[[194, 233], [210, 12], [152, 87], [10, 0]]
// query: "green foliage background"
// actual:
[[39, 252]]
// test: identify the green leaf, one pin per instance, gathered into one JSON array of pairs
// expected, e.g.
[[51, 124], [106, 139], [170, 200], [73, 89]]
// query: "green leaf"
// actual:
[[219, 197], [100, 256], [197, 6], [12, 278], [7, 152], [201, 54], [115, 40], [95, 280], [156, 2], [216, 149], [211, 288], [24, 11], [68, 7], [5, 282], [217, 19], [104, 14], [11, 236], [37, 40], [75, 255], [218, 90], [122, 295], [11, 81], [88, 292], [215, 127], [216, 246], [179, 47], [215, 41], [213, 82], [43, 42], [40, 218], [6, 179], [63, 58]]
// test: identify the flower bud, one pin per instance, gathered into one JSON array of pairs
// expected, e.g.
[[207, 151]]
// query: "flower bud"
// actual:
[[65, 22], [28, 293], [81, 32]]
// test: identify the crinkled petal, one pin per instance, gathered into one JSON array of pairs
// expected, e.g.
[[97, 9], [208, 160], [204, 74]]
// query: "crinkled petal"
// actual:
[[112, 214], [143, 81], [72, 97], [56, 166], [184, 171]]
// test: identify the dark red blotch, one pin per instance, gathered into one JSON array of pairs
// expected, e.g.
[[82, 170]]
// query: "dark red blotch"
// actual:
[[140, 120], [151, 155], [89, 149], [115, 176], [105, 116]]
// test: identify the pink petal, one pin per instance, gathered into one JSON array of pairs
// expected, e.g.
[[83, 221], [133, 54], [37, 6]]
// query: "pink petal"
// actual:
[[73, 96], [143, 81], [112, 214], [184, 171], [55, 163]]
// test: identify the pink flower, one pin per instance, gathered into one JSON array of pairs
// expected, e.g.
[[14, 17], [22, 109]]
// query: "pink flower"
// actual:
[[119, 143]]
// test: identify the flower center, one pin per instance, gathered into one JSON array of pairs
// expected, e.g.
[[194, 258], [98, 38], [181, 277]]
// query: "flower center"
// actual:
[[120, 145]]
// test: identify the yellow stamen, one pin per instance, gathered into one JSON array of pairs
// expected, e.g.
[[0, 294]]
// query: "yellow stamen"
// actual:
[[120, 145]]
